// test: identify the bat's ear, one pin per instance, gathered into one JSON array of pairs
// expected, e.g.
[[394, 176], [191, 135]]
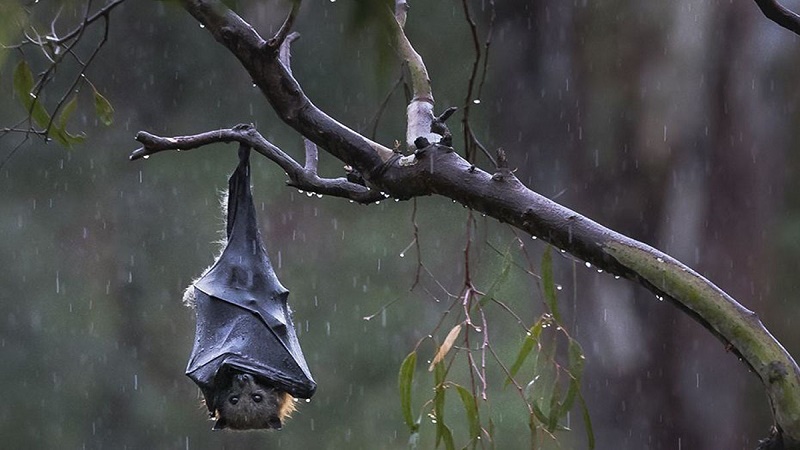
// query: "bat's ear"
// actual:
[[220, 424]]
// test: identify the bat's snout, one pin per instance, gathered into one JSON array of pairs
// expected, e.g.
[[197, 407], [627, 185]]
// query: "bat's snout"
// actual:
[[243, 379]]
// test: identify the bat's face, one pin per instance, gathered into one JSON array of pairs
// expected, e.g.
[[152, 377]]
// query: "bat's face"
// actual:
[[246, 404]]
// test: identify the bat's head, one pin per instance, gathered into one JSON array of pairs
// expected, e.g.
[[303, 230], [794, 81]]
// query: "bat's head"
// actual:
[[243, 402]]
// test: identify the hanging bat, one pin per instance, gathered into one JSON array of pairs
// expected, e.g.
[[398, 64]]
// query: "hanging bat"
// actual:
[[246, 358]]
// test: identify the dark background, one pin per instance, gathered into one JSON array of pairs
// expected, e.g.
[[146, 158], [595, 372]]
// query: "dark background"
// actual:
[[672, 122]]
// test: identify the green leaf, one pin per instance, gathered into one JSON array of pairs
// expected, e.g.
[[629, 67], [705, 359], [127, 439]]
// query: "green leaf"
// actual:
[[23, 86], [586, 420], [539, 414], [438, 412], [527, 346], [471, 408], [446, 436], [549, 285], [575, 370], [405, 377], [500, 280], [541, 390], [58, 129], [555, 410], [103, 108], [23, 81], [66, 112]]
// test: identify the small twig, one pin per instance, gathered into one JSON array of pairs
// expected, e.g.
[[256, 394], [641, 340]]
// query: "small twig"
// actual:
[[417, 245], [473, 28], [104, 11], [80, 75], [285, 54], [283, 32], [312, 156], [401, 12], [519, 388], [379, 113], [14, 150], [486, 46], [299, 176]]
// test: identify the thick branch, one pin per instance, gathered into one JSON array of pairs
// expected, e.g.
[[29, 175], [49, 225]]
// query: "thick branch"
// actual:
[[420, 110], [780, 15], [282, 91], [304, 178]]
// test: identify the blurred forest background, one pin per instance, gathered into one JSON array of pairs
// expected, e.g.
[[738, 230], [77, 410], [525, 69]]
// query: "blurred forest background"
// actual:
[[672, 122]]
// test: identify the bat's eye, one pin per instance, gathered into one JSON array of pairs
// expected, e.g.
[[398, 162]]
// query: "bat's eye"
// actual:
[[234, 399], [257, 398]]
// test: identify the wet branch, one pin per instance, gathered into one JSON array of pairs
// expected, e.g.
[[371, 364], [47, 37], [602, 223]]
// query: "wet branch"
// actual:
[[301, 177], [780, 15]]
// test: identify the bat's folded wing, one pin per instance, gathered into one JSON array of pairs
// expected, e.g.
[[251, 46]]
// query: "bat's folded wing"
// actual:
[[243, 319]]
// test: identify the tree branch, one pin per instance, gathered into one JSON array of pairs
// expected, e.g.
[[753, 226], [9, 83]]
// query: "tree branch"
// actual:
[[420, 110], [282, 90], [304, 178], [780, 15], [283, 32]]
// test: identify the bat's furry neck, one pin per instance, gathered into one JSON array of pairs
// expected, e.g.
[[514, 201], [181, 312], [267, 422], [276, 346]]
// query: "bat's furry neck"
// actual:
[[188, 293]]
